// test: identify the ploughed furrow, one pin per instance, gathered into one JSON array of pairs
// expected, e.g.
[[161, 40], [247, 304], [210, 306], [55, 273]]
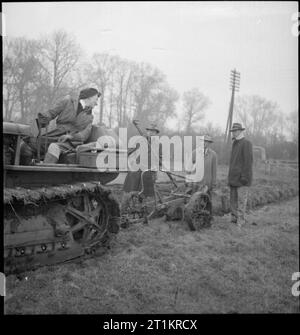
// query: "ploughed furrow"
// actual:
[[258, 195]]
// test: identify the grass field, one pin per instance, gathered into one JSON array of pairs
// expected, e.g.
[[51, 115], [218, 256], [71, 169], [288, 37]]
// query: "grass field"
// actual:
[[165, 268]]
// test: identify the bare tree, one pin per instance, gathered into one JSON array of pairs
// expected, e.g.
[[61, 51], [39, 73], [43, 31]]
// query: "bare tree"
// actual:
[[36, 73], [59, 55], [21, 71], [154, 100], [258, 115], [214, 131], [162, 105], [39, 72], [194, 104], [292, 126], [123, 82], [147, 80], [10, 94], [100, 72]]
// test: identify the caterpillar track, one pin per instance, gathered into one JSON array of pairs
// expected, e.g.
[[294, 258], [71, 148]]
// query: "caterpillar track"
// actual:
[[53, 213], [45, 226]]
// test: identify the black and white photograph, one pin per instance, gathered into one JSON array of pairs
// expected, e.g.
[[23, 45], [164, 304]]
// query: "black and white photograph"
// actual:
[[150, 160]]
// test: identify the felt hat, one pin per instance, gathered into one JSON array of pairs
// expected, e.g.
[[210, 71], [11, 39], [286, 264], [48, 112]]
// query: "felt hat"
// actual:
[[208, 138], [153, 127], [237, 126]]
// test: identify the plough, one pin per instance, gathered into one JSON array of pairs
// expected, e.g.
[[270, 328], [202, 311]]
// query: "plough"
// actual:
[[194, 209]]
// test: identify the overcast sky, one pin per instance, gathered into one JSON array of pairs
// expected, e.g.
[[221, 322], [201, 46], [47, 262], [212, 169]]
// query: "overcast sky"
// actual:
[[195, 44]]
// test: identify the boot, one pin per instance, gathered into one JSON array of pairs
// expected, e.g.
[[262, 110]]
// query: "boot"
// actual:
[[26, 154], [49, 158]]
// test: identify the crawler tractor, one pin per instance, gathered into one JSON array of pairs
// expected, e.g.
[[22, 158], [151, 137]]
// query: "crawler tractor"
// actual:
[[54, 212]]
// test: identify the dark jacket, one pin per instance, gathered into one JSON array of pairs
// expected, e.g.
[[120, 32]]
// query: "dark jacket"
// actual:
[[70, 119], [210, 168], [133, 180], [240, 166]]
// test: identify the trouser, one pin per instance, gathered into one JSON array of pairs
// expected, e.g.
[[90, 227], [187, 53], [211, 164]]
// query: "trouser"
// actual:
[[209, 204], [28, 151], [29, 146], [58, 148], [238, 203]]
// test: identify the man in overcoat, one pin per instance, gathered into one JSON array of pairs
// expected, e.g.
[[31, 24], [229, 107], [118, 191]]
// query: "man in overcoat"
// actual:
[[240, 173]]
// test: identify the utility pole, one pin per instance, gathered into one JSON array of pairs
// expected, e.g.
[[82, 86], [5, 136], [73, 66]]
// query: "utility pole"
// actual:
[[234, 86]]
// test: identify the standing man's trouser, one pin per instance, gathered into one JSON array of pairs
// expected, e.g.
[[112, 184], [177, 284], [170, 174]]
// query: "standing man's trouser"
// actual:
[[238, 203], [209, 205]]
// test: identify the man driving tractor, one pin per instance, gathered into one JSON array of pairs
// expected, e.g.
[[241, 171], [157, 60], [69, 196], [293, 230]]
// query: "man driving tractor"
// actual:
[[73, 127]]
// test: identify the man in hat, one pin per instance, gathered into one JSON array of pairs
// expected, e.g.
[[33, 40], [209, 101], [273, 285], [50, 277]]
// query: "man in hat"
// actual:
[[240, 173], [133, 180], [209, 180], [142, 181], [73, 126], [152, 130]]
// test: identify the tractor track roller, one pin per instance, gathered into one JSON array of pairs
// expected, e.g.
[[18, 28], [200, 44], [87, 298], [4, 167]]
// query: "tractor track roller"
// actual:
[[46, 226]]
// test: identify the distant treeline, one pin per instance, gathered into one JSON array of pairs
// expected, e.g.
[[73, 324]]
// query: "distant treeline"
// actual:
[[38, 72]]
